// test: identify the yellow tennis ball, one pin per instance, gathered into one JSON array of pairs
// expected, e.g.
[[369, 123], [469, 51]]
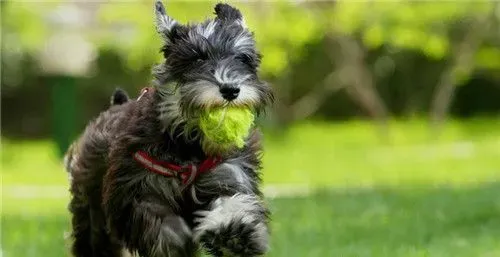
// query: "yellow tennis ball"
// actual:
[[226, 127]]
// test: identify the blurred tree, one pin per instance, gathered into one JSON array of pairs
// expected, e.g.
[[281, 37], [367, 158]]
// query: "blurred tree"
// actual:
[[281, 28], [23, 33], [440, 30], [419, 47], [461, 67]]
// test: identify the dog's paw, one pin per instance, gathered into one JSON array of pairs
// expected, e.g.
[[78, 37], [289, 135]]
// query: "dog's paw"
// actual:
[[235, 226], [236, 239]]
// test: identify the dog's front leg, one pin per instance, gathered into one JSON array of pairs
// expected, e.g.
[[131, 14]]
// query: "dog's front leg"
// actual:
[[154, 230], [235, 223]]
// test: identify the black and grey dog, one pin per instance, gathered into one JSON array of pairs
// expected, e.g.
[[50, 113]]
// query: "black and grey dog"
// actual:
[[142, 180]]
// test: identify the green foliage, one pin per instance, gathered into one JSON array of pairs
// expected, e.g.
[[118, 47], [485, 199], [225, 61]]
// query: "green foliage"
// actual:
[[405, 41], [130, 27], [425, 27], [23, 33], [419, 26], [488, 57], [282, 28], [25, 28]]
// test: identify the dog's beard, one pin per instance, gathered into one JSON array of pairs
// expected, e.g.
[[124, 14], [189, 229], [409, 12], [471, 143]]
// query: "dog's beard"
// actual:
[[182, 105]]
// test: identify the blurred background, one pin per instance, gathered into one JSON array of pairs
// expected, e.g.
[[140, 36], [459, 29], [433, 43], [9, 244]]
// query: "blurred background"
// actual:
[[384, 139]]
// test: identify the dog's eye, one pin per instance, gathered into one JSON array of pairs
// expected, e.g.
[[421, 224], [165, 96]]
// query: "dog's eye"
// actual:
[[244, 58]]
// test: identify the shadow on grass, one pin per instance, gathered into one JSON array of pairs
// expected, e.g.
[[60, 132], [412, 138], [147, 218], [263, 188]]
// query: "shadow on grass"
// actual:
[[377, 222]]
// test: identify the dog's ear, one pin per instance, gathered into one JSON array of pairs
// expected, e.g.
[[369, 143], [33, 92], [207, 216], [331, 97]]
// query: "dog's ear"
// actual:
[[164, 23], [119, 97], [227, 13]]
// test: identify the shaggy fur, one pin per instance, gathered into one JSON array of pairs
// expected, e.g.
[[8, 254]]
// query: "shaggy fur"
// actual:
[[117, 203]]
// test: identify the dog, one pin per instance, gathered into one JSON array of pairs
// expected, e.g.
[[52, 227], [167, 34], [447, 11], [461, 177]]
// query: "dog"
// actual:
[[140, 177]]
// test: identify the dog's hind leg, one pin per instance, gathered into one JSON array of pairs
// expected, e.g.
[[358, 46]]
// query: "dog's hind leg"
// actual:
[[84, 162], [90, 238], [103, 244], [81, 230], [79, 209]]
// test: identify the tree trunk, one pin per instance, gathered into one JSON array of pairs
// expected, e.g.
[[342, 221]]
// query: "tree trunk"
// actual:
[[311, 102], [361, 83], [462, 65], [354, 76]]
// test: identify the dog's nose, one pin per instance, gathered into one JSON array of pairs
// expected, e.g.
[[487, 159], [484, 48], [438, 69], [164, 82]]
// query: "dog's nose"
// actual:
[[229, 92]]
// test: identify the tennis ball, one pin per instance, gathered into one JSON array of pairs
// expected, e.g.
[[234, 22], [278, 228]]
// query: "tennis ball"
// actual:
[[226, 126]]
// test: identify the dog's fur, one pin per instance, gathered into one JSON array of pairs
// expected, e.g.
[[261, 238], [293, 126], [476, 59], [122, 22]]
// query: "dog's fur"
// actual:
[[117, 203]]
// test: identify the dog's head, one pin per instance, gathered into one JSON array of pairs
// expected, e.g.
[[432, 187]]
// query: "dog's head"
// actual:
[[210, 64]]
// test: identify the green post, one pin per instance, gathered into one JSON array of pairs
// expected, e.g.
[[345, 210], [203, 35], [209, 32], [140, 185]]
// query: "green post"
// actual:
[[64, 111], [66, 57]]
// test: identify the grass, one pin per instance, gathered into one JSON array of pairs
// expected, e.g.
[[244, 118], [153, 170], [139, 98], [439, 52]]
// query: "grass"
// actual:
[[409, 198], [412, 222], [351, 155]]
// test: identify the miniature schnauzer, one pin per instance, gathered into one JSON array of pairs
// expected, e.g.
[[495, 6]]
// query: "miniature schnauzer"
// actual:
[[140, 177]]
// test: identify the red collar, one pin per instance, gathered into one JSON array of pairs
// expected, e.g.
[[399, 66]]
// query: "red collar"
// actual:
[[186, 174]]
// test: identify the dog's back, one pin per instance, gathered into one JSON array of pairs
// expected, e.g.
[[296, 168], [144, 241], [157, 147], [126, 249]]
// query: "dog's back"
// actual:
[[116, 109]]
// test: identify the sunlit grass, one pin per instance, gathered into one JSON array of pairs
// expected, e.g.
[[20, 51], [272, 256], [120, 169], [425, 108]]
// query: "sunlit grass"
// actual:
[[353, 155], [31, 162], [322, 154]]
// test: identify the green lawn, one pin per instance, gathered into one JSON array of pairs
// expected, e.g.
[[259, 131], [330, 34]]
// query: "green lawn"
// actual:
[[411, 197], [408, 222]]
